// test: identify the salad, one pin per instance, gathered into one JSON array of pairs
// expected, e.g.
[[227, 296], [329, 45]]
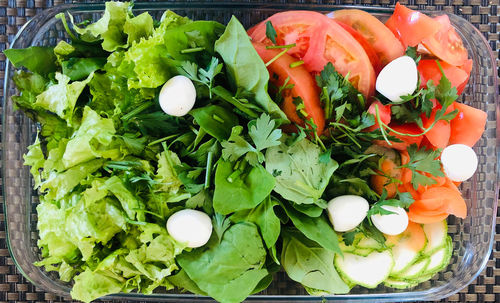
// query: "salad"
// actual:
[[204, 157]]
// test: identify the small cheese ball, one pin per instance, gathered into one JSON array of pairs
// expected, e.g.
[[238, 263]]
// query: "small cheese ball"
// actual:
[[177, 96], [191, 227]]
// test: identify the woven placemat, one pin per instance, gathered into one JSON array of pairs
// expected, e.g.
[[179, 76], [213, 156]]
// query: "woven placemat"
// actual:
[[484, 14]]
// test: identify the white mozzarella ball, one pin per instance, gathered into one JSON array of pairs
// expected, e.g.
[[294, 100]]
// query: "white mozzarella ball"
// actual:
[[398, 78], [459, 162], [346, 212], [190, 226], [392, 224], [177, 96]]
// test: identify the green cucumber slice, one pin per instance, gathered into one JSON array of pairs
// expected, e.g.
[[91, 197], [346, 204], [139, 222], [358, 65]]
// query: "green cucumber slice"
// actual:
[[415, 270], [436, 236], [362, 251], [399, 284], [369, 243], [367, 271], [404, 256], [440, 258], [346, 248]]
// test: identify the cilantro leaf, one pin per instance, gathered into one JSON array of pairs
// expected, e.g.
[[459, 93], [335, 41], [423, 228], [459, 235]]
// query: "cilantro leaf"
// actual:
[[349, 237], [404, 200], [271, 32], [423, 161], [263, 133], [202, 76], [411, 52]]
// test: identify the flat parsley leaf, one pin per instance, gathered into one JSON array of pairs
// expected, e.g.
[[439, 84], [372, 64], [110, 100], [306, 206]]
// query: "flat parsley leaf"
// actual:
[[404, 200], [423, 161], [202, 76], [221, 224], [263, 133]]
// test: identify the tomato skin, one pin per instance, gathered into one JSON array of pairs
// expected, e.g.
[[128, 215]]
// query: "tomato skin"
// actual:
[[375, 61], [319, 41], [410, 26], [303, 82], [429, 70], [384, 43], [467, 68], [446, 44], [468, 126], [384, 112], [409, 128]]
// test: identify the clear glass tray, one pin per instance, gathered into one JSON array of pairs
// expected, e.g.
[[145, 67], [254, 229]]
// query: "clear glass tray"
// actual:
[[472, 237]]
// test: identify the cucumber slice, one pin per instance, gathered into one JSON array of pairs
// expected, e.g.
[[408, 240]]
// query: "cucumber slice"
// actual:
[[367, 271], [370, 243], [440, 258], [436, 236], [415, 270], [346, 248], [399, 284], [386, 152], [362, 251], [404, 256]]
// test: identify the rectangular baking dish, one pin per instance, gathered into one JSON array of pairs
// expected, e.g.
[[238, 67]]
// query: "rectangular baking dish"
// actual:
[[472, 237]]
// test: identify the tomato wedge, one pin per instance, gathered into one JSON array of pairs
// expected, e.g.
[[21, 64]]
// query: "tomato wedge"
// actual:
[[319, 41], [384, 112], [439, 135], [429, 70], [468, 126], [410, 26], [375, 61], [410, 128], [383, 41], [304, 86], [446, 44]]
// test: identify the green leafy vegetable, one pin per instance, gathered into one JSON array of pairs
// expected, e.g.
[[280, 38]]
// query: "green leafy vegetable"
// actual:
[[37, 59], [271, 32], [245, 68], [241, 247], [310, 264], [263, 133], [423, 161], [240, 188], [404, 200], [303, 177], [215, 120]]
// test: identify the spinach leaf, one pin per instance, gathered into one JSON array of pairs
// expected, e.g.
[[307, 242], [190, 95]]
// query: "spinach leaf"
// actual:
[[182, 281], [263, 215], [215, 120], [37, 59], [300, 176], [245, 68], [309, 209], [309, 264], [240, 189], [242, 248], [317, 229]]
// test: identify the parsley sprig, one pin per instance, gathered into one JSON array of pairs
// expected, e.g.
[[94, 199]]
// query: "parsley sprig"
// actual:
[[202, 76], [264, 134], [404, 200], [423, 161], [444, 93]]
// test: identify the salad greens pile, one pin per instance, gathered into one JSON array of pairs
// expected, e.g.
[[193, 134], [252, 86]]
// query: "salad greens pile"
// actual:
[[111, 167]]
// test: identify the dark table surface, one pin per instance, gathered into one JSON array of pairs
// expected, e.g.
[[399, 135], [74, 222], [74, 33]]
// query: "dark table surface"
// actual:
[[484, 14]]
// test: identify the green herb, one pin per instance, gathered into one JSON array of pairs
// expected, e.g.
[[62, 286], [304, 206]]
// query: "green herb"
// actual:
[[202, 76], [271, 32], [310, 264], [404, 201], [263, 133], [220, 224], [423, 161], [411, 51]]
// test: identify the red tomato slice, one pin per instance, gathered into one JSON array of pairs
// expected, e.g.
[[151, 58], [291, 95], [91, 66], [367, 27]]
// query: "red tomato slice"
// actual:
[[468, 126], [383, 41], [410, 26], [446, 44], [384, 112], [428, 69], [304, 86], [439, 135], [375, 61], [319, 41], [467, 67], [407, 140]]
